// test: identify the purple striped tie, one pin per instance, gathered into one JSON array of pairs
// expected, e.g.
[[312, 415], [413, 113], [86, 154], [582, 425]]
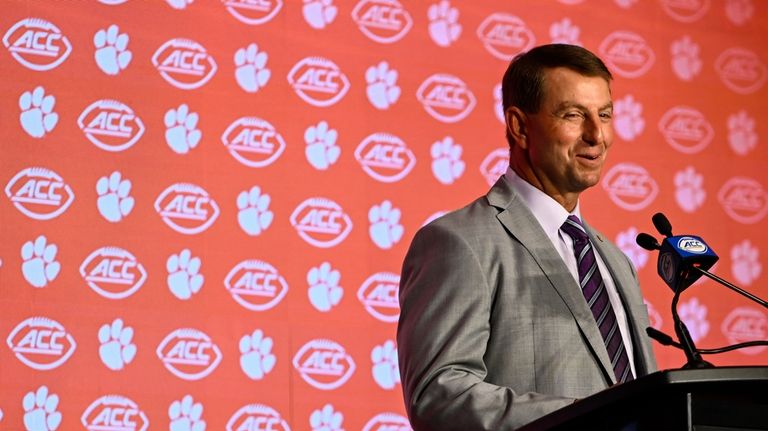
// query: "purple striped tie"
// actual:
[[594, 291]]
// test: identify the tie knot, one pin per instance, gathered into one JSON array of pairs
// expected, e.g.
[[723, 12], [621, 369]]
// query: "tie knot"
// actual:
[[574, 229]]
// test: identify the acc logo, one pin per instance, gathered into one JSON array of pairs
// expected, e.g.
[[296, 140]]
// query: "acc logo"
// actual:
[[385, 157], [324, 364], [630, 186], [685, 11], [691, 245], [253, 142], [744, 199], [446, 98], [494, 165], [741, 70], [110, 125], [505, 36], [318, 81], [746, 324], [186, 208], [37, 44], [257, 417], [321, 222], [627, 53], [256, 285], [379, 295], [686, 129], [39, 193], [387, 422], [253, 12], [113, 273], [41, 343], [383, 21], [189, 354], [114, 413], [184, 63]]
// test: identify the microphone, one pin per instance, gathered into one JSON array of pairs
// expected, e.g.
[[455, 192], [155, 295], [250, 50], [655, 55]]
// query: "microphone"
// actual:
[[662, 224]]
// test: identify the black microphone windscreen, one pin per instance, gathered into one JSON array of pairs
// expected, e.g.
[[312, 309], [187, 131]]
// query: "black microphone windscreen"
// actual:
[[661, 222], [647, 242]]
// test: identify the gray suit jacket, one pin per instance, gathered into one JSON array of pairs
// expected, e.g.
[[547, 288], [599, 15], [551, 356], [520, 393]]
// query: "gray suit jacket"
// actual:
[[494, 331]]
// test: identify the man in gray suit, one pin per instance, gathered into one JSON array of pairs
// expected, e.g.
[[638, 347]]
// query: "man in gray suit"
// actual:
[[512, 307]]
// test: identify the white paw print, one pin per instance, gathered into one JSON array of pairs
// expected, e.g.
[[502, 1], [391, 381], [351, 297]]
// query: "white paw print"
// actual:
[[179, 4], [627, 243], [321, 149], [694, 315], [689, 189], [256, 358], [626, 4], [741, 133], [40, 266], [114, 200], [627, 118], [498, 103], [739, 11], [319, 13], [447, 165], [111, 54], [253, 213], [186, 415], [324, 291], [116, 349], [251, 72], [564, 31], [385, 230], [745, 262], [382, 87], [326, 419], [385, 369], [37, 117], [40, 410], [444, 27], [181, 133], [686, 62], [184, 279]]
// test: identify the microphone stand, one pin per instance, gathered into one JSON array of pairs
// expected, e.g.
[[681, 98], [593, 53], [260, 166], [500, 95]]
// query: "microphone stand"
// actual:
[[692, 354], [731, 286]]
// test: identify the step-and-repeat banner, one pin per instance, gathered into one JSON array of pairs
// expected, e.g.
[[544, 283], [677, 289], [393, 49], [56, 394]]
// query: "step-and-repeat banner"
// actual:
[[205, 203]]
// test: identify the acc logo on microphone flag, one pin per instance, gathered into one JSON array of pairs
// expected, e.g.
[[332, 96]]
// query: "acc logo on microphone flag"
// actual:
[[110, 125], [379, 296], [746, 324], [257, 417], [692, 245], [114, 413], [253, 142], [494, 165], [113, 272], [253, 12], [189, 354], [387, 421], [184, 63], [324, 364], [41, 343], [744, 200], [318, 81], [505, 35], [37, 44], [630, 186], [446, 98], [686, 129], [627, 53], [741, 70], [256, 285], [187, 208], [383, 21], [39, 193], [321, 222], [385, 157]]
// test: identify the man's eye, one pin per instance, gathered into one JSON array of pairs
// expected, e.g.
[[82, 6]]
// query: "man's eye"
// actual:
[[606, 115]]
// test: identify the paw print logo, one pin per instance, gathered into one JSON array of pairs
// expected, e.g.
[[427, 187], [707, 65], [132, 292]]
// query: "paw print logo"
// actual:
[[689, 189], [319, 13], [40, 266], [326, 419], [256, 358], [564, 31], [40, 412], [181, 133], [444, 27], [114, 201], [739, 11], [385, 370], [321, 149], [186, 415], [745, 262], [116, 349], [112, 55], [382, 88], [626, 242], [628, 120], [447, 165], [253, 213], [741, 133], [626, 4], [37, 117], [324, 290], [694, 314], [250, 68], [385, 230], [686, 60], [184, 279], [498, 103], [179, 4]]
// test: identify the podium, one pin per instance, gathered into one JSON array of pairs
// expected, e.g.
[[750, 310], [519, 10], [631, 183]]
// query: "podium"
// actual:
[[713, 399]]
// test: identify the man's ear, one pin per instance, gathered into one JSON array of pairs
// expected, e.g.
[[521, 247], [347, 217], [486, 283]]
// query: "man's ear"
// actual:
[[516, 126]]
